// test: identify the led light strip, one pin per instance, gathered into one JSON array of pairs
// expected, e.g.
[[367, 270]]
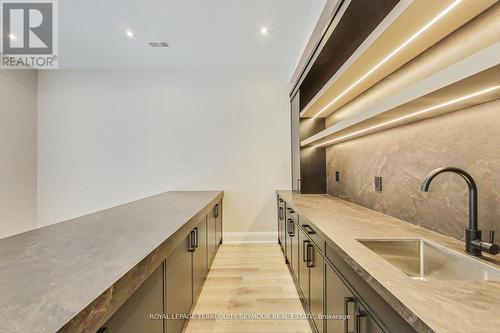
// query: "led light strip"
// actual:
[[432, 108], [390, 56]]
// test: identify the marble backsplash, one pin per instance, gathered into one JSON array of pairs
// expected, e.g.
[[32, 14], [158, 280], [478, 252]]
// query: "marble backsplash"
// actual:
[[468, 139]]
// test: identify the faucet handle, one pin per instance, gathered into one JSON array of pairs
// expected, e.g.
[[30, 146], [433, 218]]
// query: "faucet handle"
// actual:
[[491, 239]]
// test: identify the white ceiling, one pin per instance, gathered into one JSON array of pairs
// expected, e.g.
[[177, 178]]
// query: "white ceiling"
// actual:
[[201, 33]]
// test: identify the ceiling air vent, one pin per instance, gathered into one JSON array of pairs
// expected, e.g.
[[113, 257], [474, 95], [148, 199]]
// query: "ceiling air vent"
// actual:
[[158, 44]]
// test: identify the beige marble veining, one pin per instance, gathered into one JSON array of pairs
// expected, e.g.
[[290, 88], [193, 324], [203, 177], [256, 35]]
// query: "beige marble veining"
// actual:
[[429, 306], [468, 139]]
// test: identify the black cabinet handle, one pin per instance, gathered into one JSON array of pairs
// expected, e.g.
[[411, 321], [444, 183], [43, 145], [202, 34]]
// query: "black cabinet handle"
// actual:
[[310, 255], [291, 211], [309, 230], [191, 241], [103, 330], [280, 214], [304, 250], [347, 301], [216, 211], [291, 228], [357, 323], [195, 238]]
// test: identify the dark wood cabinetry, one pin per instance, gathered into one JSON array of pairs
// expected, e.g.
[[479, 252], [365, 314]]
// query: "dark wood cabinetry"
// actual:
[[330, 288], [179, 284], [341, 302], [316, 265], [132, 318], [200, 256], [175, 286], [218, 224]]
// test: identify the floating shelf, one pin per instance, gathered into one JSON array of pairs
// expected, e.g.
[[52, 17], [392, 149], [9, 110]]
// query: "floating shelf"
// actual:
[[473, 74], [404, 21]]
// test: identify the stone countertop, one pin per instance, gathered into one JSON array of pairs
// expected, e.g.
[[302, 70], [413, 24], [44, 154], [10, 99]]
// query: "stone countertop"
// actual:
[[428, 306], [72, 276]]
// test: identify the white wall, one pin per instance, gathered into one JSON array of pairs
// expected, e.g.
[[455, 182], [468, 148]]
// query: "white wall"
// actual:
[[110, 136], [18, 91]]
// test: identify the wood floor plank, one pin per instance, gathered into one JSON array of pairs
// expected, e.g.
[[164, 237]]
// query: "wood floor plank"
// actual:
[[249, 280]]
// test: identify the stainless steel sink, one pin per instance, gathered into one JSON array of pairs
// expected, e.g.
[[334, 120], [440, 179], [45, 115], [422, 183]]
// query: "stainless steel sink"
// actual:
[[426, 261]]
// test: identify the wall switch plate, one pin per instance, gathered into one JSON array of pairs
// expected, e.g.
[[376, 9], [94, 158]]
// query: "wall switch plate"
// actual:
[[378, 184], [337, 176]]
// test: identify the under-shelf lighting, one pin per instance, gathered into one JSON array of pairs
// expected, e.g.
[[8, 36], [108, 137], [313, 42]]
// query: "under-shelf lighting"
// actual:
[[411, 115], [390, 56]]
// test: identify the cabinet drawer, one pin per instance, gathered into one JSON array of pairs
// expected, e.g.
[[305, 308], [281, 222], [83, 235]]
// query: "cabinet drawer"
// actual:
[[313, 235]]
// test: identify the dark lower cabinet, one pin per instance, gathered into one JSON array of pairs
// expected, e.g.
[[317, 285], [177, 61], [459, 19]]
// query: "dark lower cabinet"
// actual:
[[342, 303], [200, 256], [211, 237], [316, 265], [179, 284], [133, 316], [330, 288], [218, 224], [291, 240], [173, 288], [303, 267], [281, 218]]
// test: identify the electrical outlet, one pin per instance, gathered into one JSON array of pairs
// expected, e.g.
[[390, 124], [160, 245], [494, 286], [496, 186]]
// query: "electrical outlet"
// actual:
[[337, 176], [378, 184]]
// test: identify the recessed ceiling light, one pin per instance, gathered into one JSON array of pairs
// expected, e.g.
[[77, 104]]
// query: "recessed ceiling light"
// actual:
[[264, 30], [130, 34]]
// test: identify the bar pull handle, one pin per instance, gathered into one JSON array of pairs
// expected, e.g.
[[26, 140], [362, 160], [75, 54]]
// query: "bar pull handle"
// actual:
[[310, 255], [216, 211], [291, 211], [291, 228], [347, 301], [304, 250], [281, 213], [309, 230], [191, 247], [196, 238], [357, 323]]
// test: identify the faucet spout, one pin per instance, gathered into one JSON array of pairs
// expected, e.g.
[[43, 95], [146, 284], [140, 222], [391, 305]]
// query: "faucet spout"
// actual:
[[473, 225]]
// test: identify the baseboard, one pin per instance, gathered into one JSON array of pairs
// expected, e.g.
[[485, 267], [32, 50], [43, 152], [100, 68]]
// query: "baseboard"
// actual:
[[250, 237]]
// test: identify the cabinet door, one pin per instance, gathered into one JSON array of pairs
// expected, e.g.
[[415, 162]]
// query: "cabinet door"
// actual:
[[218, 217], [316, 284], [211, 235], [133, 316], [290, 226], [295, 121], [200, 255], [281, 217], [303, 268], [340, 301], [295, 250], [179, 284]]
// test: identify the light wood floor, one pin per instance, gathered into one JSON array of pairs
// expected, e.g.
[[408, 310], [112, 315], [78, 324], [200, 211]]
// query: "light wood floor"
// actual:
[[249, 279]]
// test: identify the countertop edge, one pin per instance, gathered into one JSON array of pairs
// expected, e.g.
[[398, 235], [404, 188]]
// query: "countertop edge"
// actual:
[[94, 315]]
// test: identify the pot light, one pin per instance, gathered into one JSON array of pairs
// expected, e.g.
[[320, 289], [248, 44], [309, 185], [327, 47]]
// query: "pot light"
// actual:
[[130, 34], [264, 31], [411, 115], [390, 56]]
